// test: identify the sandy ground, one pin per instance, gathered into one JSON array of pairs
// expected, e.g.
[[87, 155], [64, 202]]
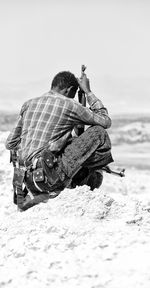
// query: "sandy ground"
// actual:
[[81, 238]]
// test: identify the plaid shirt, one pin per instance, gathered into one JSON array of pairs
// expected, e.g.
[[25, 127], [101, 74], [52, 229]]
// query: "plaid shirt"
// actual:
[[49, 120]]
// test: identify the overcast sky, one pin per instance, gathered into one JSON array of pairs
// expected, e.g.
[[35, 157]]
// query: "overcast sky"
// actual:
[[42, 37]]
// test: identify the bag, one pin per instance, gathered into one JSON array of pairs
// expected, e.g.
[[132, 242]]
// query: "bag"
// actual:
[[50, 167], [48, 177]]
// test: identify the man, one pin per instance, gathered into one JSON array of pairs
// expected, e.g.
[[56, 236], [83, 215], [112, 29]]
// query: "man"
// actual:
[[50, 159]]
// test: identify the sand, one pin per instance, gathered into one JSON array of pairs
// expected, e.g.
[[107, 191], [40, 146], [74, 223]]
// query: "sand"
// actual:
[[82, 238]]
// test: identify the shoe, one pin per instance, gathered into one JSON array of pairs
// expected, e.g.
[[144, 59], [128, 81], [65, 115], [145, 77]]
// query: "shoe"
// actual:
[[95, 179]]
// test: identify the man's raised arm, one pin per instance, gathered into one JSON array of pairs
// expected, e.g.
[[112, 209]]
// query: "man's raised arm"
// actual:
[[100, 114]]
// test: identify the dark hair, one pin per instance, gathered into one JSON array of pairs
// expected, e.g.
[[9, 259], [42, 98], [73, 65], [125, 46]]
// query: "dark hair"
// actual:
[[65, 79]]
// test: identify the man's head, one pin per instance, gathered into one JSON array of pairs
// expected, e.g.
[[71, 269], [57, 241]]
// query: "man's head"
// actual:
[[65, 83]]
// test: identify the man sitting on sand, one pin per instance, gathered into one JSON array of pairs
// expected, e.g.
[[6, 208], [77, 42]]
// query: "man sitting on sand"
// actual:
[[49, 157]]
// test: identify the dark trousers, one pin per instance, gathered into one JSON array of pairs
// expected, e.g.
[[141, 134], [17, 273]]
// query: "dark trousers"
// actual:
[[76, 165], [91, 149]]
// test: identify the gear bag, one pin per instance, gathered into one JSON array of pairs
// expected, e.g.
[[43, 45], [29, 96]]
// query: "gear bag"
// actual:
[[48, 176]]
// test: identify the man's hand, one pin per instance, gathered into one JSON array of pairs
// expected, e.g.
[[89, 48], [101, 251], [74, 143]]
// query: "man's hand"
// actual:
[[84, 84]]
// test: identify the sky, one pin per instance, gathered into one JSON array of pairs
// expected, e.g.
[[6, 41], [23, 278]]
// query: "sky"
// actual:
[[39, 38]]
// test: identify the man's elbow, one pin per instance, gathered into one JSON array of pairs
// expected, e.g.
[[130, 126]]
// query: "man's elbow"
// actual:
[[8, 146], [107, 123]]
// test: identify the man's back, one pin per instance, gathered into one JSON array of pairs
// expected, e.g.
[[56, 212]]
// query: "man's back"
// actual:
[[47, 120]]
